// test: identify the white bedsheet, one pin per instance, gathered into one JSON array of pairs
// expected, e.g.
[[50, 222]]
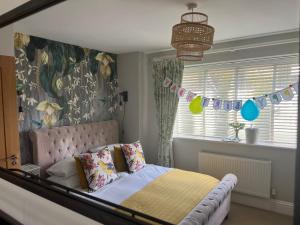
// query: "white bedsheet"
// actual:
[[128, 184]]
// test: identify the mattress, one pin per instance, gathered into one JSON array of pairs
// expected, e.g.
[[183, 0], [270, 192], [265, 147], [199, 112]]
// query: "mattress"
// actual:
[[129, 184]]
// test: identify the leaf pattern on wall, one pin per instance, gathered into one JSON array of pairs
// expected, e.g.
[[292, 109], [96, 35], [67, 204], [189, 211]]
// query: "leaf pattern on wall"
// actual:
[[69, 59], [57, 52], [30, 52], [65, 78], [46, 75], [38, 43], [79, 54], [93, 63]]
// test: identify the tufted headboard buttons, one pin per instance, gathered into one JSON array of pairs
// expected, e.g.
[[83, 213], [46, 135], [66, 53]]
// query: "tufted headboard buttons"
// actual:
[[55, 144]]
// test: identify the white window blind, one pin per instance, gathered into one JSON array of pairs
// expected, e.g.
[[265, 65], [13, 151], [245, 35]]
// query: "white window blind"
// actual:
[[240, 80]]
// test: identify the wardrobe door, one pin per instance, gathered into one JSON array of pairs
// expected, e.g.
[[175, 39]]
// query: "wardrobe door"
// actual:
[[9, 99], [2, 137]]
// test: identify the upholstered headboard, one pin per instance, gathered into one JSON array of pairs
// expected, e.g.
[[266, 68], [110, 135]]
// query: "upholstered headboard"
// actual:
[[55, 144]]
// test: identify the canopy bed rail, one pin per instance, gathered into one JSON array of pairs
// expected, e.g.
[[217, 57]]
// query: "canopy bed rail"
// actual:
[[97, 209]]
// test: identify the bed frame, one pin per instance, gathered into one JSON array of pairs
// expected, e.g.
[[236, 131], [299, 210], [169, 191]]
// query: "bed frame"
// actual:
[[55, 144]]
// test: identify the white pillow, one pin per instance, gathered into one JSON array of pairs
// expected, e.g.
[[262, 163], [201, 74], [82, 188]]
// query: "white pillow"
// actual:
[[71, 182], [64, 168], [110, 147], [96, 149]]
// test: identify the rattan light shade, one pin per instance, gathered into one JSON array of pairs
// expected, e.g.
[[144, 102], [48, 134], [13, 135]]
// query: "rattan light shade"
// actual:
[[192, 36], [189, 55]]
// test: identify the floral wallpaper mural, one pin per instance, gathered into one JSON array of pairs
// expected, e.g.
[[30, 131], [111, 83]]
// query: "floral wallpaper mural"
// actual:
[[62, 84]]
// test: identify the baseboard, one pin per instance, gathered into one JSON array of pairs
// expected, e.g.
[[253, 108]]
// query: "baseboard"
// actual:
[[282, 207]]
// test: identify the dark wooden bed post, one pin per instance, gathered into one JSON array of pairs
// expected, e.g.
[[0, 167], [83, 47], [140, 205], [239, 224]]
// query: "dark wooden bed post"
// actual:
[[25, 10]]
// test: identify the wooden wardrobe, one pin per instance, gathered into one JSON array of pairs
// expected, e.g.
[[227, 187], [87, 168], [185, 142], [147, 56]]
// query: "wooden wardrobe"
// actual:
[[9, 134]]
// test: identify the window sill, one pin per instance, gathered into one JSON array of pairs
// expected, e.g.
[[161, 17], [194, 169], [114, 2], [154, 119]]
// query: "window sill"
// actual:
[[242, 142]]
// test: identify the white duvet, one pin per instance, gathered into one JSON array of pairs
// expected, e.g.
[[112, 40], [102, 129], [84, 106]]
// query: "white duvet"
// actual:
[[128, 184]]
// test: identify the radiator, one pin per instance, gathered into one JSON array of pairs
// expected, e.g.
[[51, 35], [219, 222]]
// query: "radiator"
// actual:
[[254, 176]]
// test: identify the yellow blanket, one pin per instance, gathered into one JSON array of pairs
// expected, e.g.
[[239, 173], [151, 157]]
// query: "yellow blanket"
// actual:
[[172, 196]]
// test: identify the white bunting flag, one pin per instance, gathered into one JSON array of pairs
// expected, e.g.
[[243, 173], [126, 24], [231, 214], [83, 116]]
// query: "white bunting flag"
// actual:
[[167, 82], [217, 104], [181, 91], [287, 94], [237, 105], [261, 102], [275, 98], [173, 88], [190, 96], [296, 87], [205, 101], [227, 105]]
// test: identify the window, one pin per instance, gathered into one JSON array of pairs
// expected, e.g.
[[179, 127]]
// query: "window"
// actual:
[[240, 80]]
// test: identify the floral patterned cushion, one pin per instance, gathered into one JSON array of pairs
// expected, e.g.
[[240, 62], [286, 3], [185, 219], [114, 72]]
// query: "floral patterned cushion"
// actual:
[[98, 168], [134, 156]]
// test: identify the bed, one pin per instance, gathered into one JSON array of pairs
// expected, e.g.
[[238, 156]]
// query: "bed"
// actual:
[[56, 144]]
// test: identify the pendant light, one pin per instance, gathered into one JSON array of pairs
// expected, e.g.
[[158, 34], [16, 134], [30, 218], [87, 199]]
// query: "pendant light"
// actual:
[[192, 36]]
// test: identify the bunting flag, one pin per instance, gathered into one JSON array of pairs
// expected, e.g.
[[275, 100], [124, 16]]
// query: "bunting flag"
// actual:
[[181, 92], [217, 103], [286, 94], [275, 98], [237, 105], [205, 101], [261, 102], [296, 87], [173, 87], [167, 82], [190, 96], [227, 105]]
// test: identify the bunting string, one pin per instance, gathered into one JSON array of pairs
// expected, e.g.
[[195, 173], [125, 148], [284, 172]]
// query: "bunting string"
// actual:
[[286, 94]]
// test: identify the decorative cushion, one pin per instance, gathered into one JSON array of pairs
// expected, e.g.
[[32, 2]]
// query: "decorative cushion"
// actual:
[[63, 168], [119, 160], [134, 156], [116, 154], [81, 174], [98, 168]]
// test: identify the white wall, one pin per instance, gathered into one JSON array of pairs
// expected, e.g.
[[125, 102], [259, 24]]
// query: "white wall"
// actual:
[[186, 150], [140, 109], [283, 160], [7, 41], [129, 71]]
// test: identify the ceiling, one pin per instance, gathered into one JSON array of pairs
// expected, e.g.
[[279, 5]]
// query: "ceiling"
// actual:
[[121, 26], [7, 5]]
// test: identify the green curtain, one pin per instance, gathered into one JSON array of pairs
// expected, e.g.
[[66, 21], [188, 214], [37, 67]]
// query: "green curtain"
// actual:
[[166, 105]]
